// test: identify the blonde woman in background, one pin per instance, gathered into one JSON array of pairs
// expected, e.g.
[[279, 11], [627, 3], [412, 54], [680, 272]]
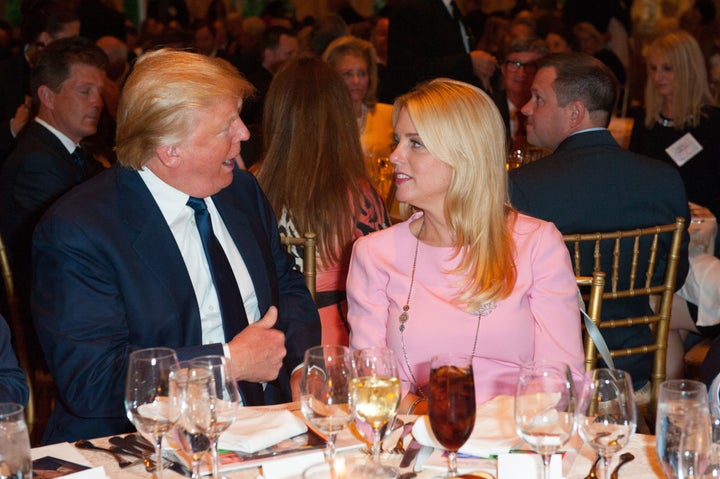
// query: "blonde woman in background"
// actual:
[[356, 62], [466, 273]]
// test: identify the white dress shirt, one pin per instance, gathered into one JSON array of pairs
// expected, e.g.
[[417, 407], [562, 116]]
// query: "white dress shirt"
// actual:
[[181, 220]]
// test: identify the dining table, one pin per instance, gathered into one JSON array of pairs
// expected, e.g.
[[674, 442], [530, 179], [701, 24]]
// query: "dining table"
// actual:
[[577, 459]]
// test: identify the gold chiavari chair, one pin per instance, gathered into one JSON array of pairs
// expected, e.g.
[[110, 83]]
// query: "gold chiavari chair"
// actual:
[[308, 242]]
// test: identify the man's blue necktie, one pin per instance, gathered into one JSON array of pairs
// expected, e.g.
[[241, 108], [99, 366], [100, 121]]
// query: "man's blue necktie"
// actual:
[[234, 318]]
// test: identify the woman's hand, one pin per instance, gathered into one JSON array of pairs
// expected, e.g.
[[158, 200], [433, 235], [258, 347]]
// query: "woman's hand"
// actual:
[[413, 404]]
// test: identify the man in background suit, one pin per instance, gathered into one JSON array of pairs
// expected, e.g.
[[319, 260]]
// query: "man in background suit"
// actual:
[[518, 69], [66, 83], [13, 387], [589, 183], [120, 261], [426, 40], [43, 22]]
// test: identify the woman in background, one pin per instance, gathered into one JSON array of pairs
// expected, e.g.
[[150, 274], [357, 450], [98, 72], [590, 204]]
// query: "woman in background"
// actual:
[[680, 123], [466, 273], [356, 62], [314, 177]]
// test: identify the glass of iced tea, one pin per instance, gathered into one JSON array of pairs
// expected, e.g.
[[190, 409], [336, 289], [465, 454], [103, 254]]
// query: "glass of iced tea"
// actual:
[[451, 403]]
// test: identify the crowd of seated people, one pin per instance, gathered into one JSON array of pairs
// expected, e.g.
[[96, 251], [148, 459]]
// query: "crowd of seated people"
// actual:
[[470, 55]]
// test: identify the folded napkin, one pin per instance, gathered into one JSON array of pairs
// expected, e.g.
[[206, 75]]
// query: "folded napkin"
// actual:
[[494, 431], [257, 428]]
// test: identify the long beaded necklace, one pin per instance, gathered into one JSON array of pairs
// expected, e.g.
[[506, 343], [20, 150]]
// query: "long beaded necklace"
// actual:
[[483, 311]]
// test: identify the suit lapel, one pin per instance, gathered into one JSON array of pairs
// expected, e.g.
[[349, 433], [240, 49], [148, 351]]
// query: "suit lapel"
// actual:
[[141, 214]]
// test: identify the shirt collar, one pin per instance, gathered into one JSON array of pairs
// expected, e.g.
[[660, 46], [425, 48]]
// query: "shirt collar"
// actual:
[[67, 142], [170, 200]]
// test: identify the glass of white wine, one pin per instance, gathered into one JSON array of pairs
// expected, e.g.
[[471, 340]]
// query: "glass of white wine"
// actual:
[[544, 408], [146, 395], [375, 392], [325, 391]]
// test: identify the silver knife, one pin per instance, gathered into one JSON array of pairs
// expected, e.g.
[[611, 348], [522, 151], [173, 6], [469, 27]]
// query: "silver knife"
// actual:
[[410, 453]]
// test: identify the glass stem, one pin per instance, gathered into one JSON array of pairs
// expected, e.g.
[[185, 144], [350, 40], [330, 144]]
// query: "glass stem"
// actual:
[[377, 443], [546, 465], [158, 457], [215, 459], [605, 467], [196, 467], [452, 464], [330, 449]]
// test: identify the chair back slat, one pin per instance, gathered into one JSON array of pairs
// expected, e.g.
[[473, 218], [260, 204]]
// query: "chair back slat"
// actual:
[[643, 244], [308, 243]]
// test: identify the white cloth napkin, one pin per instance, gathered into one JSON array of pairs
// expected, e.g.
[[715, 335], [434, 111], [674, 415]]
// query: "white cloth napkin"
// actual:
[[494, 431], [257, 428]]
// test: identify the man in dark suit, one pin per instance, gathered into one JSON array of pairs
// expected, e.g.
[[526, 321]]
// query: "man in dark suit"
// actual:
[[120, 262], [66, 82], [43, 22], [13, 387], [426, 40], [589, 183]]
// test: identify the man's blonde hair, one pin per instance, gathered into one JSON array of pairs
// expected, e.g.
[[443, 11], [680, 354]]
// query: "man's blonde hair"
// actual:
[[461, 126], [160, 96]]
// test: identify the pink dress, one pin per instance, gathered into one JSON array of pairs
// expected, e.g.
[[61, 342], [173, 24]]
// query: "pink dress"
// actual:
[[330, 278], [539, 320]]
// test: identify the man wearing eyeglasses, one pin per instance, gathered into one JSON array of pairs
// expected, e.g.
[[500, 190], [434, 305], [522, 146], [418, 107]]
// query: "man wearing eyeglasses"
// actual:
[[518, 71]]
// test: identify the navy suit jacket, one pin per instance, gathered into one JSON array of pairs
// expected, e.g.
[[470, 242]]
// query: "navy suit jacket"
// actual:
[[425, 42], [109, 278], [591, 184]]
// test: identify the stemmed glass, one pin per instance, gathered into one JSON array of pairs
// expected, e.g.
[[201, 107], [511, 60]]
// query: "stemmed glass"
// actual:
[[544, 408], [146, 395], [375, 392], [606, 414], [191, 390], [224, 402], [325, 391], [682, 428], [451, 403]]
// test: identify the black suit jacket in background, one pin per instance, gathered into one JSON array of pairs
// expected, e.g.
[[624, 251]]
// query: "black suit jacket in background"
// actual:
[[425, 42], [591, 184]]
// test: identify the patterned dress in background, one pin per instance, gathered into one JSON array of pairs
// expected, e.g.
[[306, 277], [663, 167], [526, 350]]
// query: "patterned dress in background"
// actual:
[[330, 279]]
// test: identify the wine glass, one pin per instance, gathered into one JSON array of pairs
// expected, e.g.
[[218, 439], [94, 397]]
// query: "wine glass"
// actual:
[[606, 414], [375, 392], [146, 395], [192, 388], [451, 403], [325, 391], [544, 408], [682, 427], [224, 403]]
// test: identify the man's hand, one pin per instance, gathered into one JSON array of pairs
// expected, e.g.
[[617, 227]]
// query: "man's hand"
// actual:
[[22, 115], [484, 65], [257, 352]]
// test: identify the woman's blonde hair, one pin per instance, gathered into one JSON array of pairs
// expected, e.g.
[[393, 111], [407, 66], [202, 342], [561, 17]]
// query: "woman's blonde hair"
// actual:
[[313, 163], [690, 89], [461, 126], [353, 46], [161, 95]]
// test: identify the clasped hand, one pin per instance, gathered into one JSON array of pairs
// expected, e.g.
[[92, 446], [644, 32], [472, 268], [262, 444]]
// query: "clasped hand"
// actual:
[[257, 352]]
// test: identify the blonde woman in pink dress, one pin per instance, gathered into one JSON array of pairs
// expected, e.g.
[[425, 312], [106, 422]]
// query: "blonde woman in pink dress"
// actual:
[[466, 273]]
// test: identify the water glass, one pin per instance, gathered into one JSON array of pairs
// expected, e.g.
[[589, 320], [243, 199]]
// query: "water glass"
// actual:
[[606, 413], [146, 395], [325, 391], [15, 460], [545, 408], [682, 428]]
